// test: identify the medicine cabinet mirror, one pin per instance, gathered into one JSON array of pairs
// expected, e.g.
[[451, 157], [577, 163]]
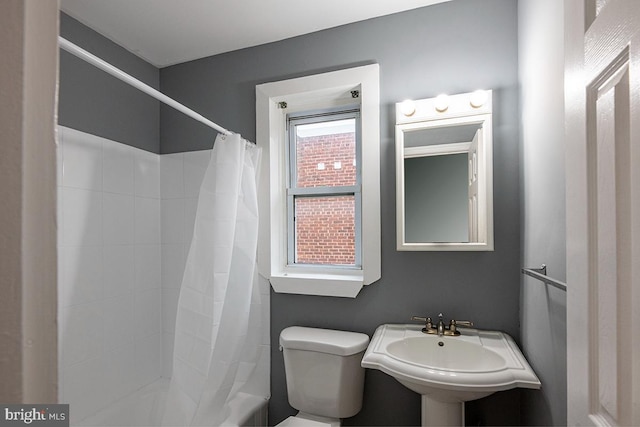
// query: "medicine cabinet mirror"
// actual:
[[444, 176]]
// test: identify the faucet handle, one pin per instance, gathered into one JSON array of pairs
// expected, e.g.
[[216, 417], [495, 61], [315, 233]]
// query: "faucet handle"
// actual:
[[463, 323], [455, 324], [428, 327]]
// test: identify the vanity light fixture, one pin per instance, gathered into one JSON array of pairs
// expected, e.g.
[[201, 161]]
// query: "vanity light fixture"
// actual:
[[478, 98], [408, 107], [441, 103]]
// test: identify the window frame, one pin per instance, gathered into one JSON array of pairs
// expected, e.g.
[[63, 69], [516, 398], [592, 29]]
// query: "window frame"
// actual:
[[294, 192], [320, 91]]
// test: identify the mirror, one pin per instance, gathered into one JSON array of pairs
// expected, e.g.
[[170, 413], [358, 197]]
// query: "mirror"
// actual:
[[444, 183]]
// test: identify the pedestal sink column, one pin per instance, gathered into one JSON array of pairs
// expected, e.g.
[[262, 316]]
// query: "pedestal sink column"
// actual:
[[435, 413]]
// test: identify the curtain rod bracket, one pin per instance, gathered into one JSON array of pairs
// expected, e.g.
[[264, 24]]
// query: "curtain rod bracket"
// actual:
[[541, 270]]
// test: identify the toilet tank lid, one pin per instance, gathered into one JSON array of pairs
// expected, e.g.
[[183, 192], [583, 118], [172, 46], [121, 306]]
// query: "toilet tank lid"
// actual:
[[341, 343]]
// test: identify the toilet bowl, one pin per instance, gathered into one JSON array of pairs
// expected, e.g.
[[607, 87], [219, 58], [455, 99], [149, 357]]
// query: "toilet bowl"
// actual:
[[325, 380]]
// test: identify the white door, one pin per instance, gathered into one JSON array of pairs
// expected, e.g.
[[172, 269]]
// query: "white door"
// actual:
[[602, 101]]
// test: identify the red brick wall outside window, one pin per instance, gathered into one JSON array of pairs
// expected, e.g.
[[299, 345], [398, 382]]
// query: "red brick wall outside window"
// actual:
[[325, 226]]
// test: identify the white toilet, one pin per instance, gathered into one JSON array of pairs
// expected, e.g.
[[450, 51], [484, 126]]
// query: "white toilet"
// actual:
[[325, 380]]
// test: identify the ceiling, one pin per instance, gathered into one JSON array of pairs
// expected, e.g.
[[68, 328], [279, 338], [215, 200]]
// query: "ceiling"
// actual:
[[168, 32]]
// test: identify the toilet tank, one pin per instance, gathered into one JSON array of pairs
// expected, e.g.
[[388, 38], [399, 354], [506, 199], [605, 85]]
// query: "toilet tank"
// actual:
[[322, 366]]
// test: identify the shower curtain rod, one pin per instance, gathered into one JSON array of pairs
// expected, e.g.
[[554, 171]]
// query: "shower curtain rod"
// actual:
[[119, 74]]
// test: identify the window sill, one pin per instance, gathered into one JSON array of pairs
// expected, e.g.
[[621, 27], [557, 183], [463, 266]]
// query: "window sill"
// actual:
[[317, 284]]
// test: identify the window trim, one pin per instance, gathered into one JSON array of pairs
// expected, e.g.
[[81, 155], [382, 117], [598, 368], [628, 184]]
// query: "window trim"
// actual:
[[318, 91]]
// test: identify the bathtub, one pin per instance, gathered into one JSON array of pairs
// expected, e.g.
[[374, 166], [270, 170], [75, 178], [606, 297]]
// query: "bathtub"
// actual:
[[144, 408]]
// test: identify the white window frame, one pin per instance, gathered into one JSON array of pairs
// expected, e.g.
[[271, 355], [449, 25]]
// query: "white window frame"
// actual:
[[318, 91], [355, 190]]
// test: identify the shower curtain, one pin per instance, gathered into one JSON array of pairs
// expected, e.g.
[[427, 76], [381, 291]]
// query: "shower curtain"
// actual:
[[216, 338]]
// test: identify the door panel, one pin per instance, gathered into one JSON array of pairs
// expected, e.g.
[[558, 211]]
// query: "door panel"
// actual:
[[603, 212], [608, 147]]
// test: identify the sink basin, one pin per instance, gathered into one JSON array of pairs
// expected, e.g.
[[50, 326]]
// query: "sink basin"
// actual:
[[446, 370], [446, 354]]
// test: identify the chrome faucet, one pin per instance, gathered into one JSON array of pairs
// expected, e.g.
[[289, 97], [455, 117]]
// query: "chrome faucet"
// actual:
[[441, 328]]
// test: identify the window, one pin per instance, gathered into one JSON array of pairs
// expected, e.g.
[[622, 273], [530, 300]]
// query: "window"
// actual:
[[320, 182], [324, 188]]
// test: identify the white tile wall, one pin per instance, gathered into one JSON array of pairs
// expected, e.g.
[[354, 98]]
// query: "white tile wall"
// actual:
[[118, 168], [126, 220], [148, 267], [82, 274], [147, 221], [173, 262], [181, 175], [119, 315], [109, 281], [117, 219], [82, 386], [148, 358], [81, 160], [147, 309], [119, 263], [83, 332], [81, 217], [195, 165], [172, 176], [173, 221], [120, 372], [147, 174]]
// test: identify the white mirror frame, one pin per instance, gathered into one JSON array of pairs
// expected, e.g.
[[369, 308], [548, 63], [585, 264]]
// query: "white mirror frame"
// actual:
[[454, 110]]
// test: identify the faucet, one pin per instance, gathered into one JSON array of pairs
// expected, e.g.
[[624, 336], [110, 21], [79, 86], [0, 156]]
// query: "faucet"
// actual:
[[441, 328]]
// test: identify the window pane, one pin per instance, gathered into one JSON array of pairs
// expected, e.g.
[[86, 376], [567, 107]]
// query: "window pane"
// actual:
[[325, 230], [326, 154]]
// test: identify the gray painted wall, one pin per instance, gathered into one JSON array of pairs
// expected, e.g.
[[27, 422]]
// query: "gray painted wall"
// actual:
[[94, 102], [543, 308], [452, 47]]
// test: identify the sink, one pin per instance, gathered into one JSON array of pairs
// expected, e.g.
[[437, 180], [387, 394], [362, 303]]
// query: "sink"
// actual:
[[448, 371], [446, 354]]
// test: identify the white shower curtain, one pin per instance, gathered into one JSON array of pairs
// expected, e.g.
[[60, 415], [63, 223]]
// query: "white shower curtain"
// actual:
[[216, 340]]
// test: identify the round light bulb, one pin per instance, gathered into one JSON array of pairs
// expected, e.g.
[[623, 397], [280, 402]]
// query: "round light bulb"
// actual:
[[441, 103], [408, 107], [478, 98]]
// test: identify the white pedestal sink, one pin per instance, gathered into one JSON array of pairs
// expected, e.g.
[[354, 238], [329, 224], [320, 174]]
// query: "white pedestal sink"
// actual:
[[448, 371]]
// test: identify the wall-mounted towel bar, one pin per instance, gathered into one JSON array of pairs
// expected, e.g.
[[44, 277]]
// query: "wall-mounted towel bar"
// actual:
[[541, 274]]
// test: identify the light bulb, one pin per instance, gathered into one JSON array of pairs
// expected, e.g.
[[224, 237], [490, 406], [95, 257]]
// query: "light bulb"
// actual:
[[478, 98], [441, 103], [408, 107]]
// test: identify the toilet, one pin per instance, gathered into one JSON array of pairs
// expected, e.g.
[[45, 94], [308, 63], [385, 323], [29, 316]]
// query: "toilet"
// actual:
[[325, 380]]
